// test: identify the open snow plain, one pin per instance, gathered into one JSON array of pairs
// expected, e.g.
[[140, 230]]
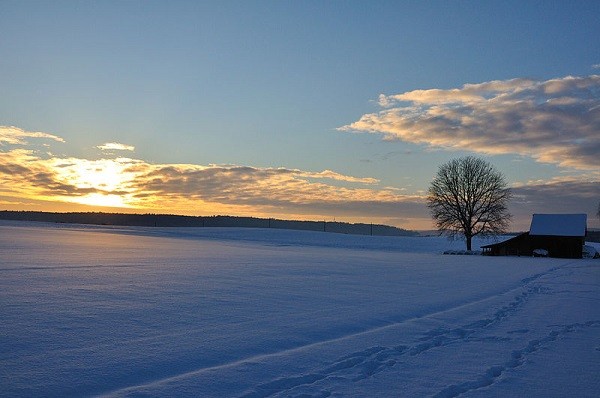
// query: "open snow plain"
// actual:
[[101, 311]]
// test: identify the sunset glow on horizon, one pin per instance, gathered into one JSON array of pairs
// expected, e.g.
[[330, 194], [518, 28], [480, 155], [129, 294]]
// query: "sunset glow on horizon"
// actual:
[[132, 184]]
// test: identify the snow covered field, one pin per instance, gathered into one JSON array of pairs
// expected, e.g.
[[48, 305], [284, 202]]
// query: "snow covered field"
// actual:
[[104, 311]]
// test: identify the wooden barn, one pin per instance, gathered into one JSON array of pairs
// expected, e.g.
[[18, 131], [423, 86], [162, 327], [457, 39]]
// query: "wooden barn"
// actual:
[[558, 235]]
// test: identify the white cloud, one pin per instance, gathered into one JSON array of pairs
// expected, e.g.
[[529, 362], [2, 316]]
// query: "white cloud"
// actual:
[[554, 121], [115, 146]]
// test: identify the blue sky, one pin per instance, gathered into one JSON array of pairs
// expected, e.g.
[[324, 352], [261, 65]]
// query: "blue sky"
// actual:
[[255, 87]]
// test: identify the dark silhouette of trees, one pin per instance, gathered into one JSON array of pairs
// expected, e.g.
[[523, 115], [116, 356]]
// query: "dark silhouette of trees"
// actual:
[[171, 220], [468, 197]]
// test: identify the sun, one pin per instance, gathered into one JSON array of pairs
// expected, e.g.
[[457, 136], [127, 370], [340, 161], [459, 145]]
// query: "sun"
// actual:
[[103, 182], [97, 199]]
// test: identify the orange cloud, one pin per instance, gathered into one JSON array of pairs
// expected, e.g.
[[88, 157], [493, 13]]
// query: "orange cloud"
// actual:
[[194, 189]]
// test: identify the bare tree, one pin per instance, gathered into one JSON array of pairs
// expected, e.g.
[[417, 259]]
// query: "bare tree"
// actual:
[[468, 196]]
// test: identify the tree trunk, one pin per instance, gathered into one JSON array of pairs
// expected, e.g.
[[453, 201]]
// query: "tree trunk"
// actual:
[[469, 237]]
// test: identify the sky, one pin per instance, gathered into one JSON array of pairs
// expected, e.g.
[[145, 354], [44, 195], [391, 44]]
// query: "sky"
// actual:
[[316, 110]]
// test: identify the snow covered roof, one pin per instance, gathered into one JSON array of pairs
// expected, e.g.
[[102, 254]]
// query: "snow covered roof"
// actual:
[[558, 224]]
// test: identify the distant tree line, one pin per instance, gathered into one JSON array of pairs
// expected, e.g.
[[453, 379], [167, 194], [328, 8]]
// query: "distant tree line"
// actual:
[[169, 220]]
